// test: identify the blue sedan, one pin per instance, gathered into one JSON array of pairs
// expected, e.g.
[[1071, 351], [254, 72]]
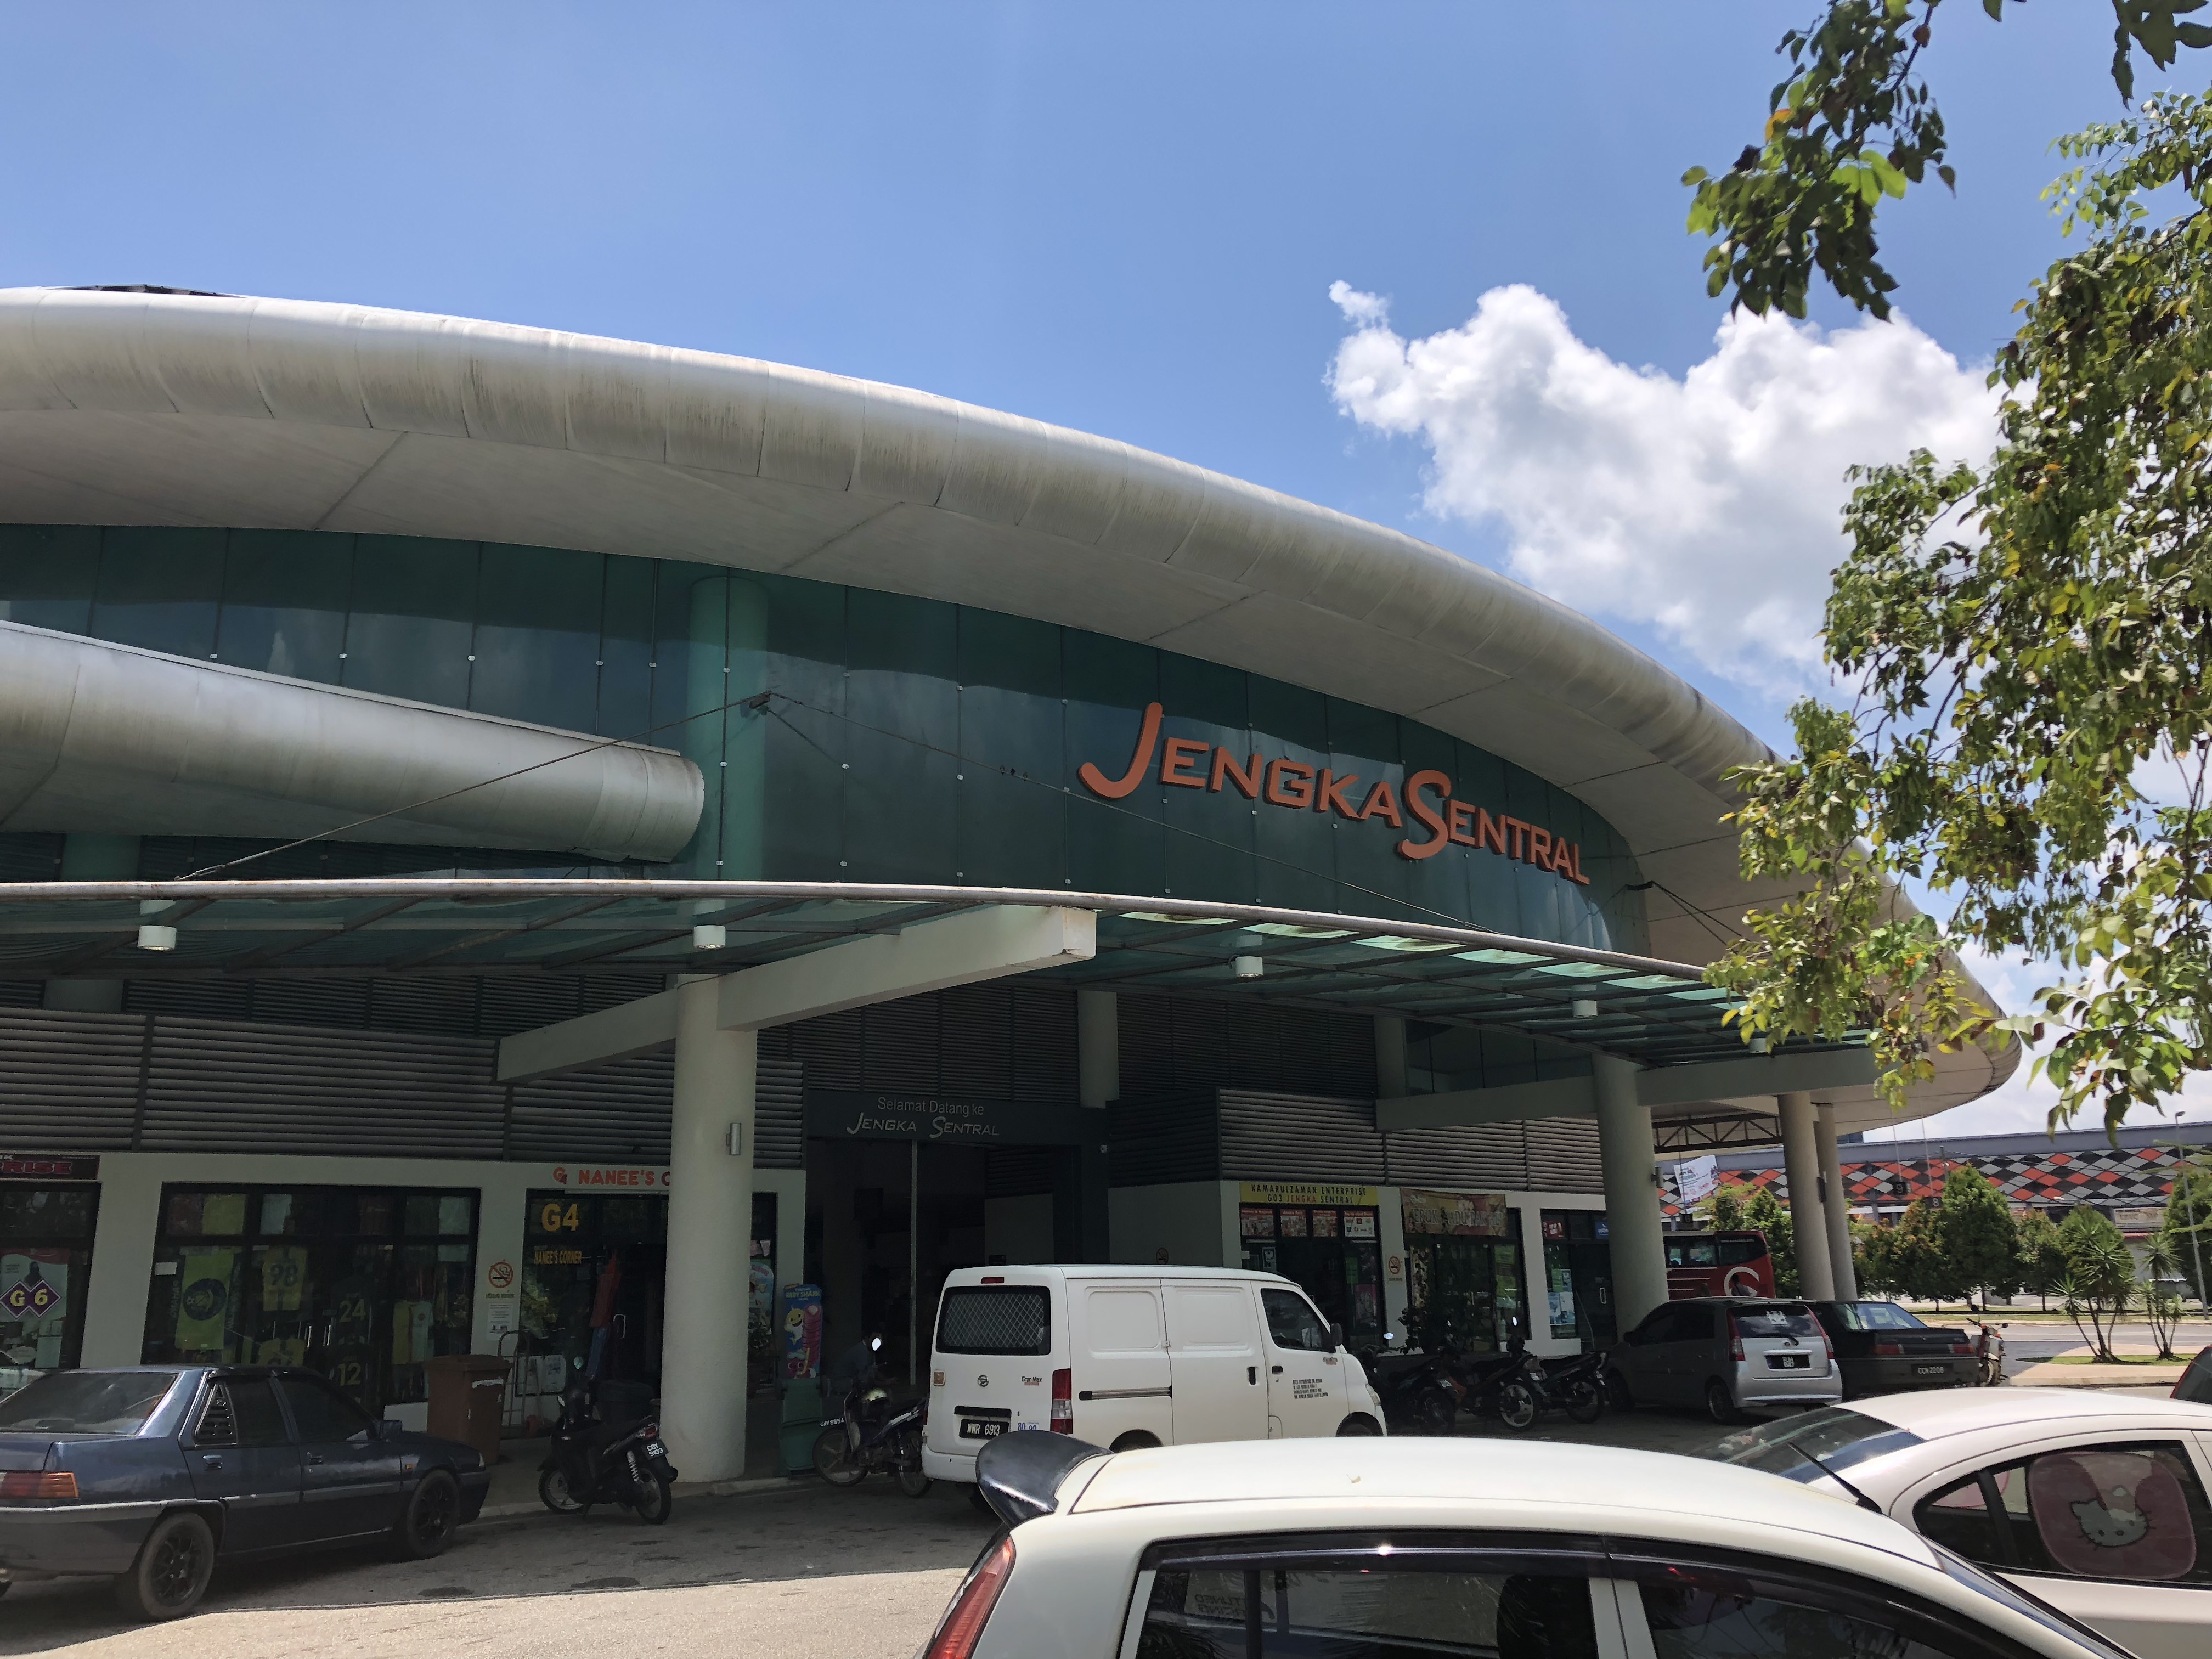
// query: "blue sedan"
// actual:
[[149, 1476]]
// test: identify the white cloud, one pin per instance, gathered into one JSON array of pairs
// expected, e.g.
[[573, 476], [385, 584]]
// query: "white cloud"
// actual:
[[1706, 507]]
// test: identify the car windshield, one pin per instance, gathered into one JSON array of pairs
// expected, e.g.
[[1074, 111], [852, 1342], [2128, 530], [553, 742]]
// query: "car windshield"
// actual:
[[1818, 1442], [1775, 1323], [1879, 1316], [85, 1402]]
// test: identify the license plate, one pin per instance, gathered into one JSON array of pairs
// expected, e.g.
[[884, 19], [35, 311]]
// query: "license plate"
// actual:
[[1790, 1362], [981, 1428], [1931, 1370], [654, 1449]]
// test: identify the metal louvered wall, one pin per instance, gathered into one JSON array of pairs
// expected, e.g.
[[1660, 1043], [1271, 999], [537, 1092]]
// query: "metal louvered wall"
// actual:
[[92, 1083], [1242, 1135]]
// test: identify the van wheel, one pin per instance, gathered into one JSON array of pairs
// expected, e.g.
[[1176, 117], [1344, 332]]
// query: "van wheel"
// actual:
[[1720, 1404], [1358, 1425], [172, 1572], [1135, 1440]]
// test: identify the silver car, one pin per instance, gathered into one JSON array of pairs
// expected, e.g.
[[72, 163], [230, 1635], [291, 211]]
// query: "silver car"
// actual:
[[1725, 1353]]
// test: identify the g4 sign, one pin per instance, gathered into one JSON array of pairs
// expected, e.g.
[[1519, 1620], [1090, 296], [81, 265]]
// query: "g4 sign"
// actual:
[[1188, 763]]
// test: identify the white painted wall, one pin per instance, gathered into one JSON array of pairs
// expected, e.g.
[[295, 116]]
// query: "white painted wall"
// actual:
[[1194, 1221]]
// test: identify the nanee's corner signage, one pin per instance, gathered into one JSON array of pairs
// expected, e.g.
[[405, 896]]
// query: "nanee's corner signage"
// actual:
[[1467, 1215], [867, 1114], [1310, 1194], [43, 1166], [1188, 763], [599, 1177]]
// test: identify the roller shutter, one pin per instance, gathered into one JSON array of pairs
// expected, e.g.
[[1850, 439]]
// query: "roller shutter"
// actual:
[[1281, 1137], [1480, 1157], [1152, 1142], [1563, 1155], [779, 1116], [617, 1113]]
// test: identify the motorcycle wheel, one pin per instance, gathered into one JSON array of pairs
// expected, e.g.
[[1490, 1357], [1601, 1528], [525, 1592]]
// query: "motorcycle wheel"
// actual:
[[553, 1492], [913, 1482], [1583, 1401], [656, 1498], [1440, 1411], [834, 1460], [1518, 1408]]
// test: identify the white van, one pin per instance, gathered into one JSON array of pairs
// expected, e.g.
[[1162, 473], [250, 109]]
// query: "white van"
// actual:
[[1125, 1357]]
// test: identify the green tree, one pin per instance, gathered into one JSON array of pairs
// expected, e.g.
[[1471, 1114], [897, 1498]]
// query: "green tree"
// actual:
[[1738, 1207], [2100, 1277], [2042, 1258], [1918, 1264], [2027, 639], [1854, 121], [2187, 1230], [1870, 1257], [1974, 1228]]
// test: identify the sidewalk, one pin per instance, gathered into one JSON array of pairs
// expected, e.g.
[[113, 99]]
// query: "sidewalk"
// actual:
[[514, 1477], [2056, 1373]]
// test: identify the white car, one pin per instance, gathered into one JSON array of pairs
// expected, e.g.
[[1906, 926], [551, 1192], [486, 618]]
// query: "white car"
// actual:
[[1373, 1548], [2094, 1501]]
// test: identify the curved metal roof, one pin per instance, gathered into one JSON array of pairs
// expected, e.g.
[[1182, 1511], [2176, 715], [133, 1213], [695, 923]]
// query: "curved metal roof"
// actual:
[[166, 408]]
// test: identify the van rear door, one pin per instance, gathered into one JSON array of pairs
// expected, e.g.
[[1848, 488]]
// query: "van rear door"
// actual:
[[1215, 1361], [994, 1351], [1118, 1349]]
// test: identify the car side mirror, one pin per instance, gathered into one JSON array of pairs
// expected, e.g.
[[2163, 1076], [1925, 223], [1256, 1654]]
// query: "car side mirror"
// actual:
[[1335, 1337], [385, 1427]]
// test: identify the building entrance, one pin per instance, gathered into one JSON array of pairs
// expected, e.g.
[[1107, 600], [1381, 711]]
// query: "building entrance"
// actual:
[[1464, 1284], [1578, 1278]]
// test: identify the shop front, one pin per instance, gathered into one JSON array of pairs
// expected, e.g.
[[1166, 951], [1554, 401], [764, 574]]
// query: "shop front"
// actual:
[[1326, 1239], [48, 1209], [1578, 1278], [1465, 1285]]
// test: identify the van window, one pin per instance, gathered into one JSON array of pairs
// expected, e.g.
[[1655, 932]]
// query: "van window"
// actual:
[[1293, 1323], [995, 1319]]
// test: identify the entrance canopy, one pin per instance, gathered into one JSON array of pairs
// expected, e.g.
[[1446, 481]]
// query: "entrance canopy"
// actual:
[[1659, 1014]]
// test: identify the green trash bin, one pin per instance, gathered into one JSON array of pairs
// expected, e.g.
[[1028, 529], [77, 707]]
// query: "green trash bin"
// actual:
[[802, 1423]]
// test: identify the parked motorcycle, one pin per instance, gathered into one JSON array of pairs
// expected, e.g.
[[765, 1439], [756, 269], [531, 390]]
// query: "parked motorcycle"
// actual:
[[1417, 1391], [1502, 1384], [1989, 1356], [871, 1435], [1577, 1387], [605, 1452]]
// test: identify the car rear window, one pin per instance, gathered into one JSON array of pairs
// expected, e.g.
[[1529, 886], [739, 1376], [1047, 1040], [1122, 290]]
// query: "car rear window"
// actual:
[[1775, 1323], [995, 1319], [1879, 1316], [1814, 1443], [86, 1402]]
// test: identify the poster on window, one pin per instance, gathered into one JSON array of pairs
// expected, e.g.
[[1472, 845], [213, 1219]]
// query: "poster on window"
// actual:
[[1464, 1215]]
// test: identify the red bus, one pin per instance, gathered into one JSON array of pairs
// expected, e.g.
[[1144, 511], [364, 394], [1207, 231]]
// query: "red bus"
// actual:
[[1718, 1264]]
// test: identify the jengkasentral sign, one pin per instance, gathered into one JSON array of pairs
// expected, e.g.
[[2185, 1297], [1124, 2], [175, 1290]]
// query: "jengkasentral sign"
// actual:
[[889, 1114], [1438, 818]]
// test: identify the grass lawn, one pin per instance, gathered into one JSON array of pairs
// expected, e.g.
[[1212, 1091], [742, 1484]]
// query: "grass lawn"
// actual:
[[2123, 1359]]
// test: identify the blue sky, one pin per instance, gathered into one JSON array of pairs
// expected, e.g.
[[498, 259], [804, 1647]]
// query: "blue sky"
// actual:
[[1126, 219]]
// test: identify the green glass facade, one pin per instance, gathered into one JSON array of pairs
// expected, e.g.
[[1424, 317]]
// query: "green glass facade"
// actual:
[[848, 734]]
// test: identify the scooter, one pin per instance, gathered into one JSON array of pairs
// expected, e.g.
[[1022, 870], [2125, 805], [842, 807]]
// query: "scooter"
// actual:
[[1417, 1390], [1574, 1388], [593, 1462], [870, 1435], [1989, 1356], [1502, 1384]]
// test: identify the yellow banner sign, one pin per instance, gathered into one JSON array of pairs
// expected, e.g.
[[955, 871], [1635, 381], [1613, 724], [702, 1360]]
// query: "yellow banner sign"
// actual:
[[1324, 1193]]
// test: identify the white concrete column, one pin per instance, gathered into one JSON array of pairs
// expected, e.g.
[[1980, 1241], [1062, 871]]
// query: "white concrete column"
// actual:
[[710, 1211], [1631, 1190], [1808, 1221], [1389, 1057], [1838, 1204], [1097, 1047]]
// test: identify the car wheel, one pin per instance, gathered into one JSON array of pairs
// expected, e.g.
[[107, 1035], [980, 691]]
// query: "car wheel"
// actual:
[[656, 1498], [833, 1458], [172, 1572], [1720, 1404], [426, 1525], [1617, 1394], [1135, 1440]]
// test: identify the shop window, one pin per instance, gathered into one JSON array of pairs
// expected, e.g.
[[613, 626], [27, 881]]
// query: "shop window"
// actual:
[[1331, 1253], [593, 1270], [45, 1257], [362, 1284], [1578, 1278], [1464, 1288]]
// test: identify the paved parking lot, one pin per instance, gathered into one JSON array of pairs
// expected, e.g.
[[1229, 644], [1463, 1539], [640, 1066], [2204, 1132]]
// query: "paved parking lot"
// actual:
[[801, 1572]]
